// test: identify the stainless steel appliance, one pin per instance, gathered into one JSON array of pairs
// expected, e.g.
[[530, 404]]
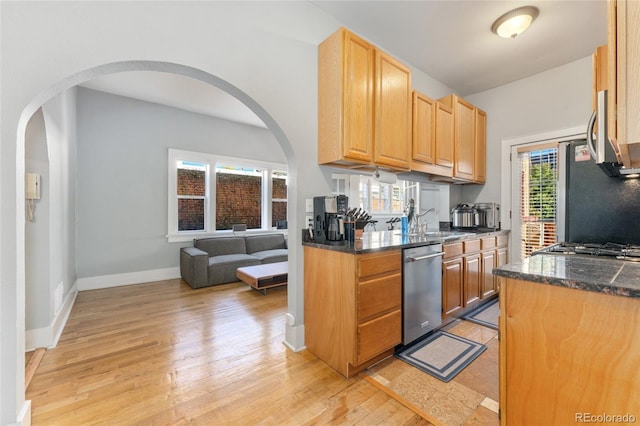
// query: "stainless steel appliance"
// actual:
[[422, 291], [328, 219], [596, 208], [488, 216], [604, 151], [464, 216], [615, 250]]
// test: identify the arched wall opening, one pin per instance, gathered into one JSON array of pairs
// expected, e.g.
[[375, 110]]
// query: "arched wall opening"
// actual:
[[294, 301]]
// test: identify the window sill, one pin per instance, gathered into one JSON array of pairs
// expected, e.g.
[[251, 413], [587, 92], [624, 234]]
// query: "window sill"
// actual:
[[181, 238]]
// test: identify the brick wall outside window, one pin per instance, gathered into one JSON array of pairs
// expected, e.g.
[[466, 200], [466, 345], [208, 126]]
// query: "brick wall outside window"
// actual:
[[191, 211], [238, 200]]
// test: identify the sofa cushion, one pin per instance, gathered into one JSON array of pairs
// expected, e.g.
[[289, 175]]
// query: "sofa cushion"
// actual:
[[221, 246], [222, 269], [272, 256], [258, 243]]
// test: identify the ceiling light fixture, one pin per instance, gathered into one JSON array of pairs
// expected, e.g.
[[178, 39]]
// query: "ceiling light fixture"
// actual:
[[513, 23]]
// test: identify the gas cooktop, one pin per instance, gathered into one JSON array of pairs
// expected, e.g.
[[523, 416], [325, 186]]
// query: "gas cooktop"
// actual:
[[619, 251]]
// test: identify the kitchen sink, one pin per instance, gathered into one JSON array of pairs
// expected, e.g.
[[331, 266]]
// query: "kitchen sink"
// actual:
[[439, 235]]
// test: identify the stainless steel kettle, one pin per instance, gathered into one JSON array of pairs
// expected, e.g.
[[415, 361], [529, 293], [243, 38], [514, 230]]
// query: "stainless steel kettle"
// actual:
[[465, 216]]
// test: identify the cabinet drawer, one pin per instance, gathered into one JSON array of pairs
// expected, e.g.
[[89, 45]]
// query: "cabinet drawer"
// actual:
[[378, 335], [379, 295], [452, 250], [488, 242], [471, 245], [502, 240], [378, 263]]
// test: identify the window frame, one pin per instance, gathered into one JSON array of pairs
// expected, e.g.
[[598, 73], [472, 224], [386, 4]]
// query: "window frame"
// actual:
[[211, 161]]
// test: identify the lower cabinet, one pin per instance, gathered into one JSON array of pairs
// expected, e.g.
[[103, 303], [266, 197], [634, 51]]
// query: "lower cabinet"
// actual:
[[352, 306], [567, 356], [452, 291], [472, 279], [467, 272]]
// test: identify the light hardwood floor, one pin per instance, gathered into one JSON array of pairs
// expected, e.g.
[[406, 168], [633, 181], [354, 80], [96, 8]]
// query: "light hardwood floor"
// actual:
[[163, 353]]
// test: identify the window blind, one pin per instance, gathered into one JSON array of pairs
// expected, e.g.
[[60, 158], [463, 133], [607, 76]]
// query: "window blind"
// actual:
[[539, 201]]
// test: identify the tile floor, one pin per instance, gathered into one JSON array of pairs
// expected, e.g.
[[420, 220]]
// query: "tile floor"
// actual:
[[471, 398]]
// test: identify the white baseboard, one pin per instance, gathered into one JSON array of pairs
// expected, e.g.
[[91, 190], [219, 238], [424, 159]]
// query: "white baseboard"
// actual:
[[117, 280], [294, 338], [47, 337], [24, 416]]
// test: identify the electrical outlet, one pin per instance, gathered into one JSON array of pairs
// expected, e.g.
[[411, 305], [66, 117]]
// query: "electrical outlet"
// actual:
[[309, 221]]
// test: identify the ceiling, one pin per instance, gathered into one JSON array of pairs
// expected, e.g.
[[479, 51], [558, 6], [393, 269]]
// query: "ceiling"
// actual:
[[450, 41]]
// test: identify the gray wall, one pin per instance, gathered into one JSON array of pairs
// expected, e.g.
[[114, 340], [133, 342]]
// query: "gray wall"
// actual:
[[122, 176], [556, 99], [37, 268]]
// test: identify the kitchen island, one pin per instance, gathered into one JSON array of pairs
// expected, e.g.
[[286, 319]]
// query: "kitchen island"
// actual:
[[569, 340], [353, 294]]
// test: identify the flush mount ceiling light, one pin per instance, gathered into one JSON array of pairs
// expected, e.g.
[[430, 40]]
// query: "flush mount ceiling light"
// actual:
[[513, 23]]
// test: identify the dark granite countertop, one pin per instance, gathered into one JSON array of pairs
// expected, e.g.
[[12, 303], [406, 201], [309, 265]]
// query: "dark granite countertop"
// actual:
[[390, 240], [597, 274]]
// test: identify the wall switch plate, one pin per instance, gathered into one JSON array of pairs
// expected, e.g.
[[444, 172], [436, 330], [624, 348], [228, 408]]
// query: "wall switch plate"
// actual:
[[309, 205]]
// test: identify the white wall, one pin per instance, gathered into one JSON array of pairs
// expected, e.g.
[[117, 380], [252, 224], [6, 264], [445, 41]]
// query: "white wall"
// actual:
[[556, 99]]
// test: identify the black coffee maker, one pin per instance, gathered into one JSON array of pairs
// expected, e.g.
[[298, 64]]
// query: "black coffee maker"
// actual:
[[328, 219]]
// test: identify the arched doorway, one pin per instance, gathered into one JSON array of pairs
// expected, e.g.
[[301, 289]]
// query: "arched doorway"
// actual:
[[96, 72]]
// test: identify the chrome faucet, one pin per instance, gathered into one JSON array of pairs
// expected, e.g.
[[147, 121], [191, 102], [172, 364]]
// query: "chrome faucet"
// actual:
[[419, 215]]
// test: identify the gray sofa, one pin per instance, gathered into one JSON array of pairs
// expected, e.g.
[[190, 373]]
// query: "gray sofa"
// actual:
[[213, 261]]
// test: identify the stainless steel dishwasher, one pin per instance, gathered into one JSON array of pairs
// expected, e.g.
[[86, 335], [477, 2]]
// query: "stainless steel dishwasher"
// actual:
[[422, 291]]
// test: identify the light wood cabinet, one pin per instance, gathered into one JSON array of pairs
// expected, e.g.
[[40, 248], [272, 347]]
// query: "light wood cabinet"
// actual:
[[467, 272], [424, 129], [432, 136], [566, 353], [469, 140], [472, 281], [392, 125], [352, 307], [452, 286], [480, 171], [624, 78], [364, 105]]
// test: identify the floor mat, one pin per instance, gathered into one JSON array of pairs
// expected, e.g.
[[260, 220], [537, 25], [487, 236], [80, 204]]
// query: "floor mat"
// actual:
[[486, 315], [442, 355]]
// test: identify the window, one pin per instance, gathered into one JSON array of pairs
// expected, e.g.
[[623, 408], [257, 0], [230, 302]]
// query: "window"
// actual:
[[278, 196], [192, 196], [539, 199], [209, 194], [381, 198]]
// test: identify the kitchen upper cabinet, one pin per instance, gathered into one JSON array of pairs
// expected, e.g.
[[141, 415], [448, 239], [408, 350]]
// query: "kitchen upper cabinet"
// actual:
[[432, 136], [480, 146], [600, 60], [469, 140], [364, 105], [624, 78], [444, 139], [392, 125], [424, 129]]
